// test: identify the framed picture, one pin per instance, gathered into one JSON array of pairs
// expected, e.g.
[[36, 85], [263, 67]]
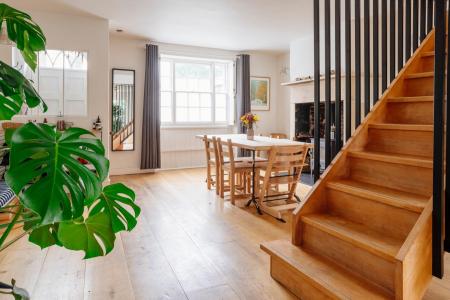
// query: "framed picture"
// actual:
[[260, 93]]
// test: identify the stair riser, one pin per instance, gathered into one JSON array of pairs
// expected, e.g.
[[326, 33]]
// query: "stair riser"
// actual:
[[427, 64], [397, 221], [392, 175], [401, 141], [410, 113], [418, 87], [358, 260], [295, 281]]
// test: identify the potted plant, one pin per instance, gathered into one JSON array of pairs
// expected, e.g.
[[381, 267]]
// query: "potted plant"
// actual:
[[248, 120], [61, 201]]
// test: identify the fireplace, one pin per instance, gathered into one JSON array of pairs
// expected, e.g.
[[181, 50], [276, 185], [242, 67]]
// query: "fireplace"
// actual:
[[304, 126]]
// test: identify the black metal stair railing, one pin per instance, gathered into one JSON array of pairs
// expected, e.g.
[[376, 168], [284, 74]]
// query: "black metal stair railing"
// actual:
[[392, 31]]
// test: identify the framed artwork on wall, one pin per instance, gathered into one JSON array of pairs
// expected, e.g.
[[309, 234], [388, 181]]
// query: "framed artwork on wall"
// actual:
[[260, 93]]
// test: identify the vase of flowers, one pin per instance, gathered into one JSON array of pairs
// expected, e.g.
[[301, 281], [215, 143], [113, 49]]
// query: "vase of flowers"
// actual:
[[248, 120]]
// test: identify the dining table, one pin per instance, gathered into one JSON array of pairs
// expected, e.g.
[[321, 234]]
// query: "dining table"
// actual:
[[257, 144]]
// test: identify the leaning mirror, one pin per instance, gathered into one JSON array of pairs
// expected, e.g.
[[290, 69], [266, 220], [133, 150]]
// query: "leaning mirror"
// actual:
[[123, 85]]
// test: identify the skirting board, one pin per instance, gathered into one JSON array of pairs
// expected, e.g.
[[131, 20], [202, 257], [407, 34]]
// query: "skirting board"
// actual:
[[131, 171]]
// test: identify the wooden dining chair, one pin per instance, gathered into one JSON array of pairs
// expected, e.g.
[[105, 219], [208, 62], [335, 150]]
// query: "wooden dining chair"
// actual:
[[281, 175], [238, 173], [211, 163]]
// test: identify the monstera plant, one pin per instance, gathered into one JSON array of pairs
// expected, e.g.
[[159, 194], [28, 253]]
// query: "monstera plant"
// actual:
[[61, 201]]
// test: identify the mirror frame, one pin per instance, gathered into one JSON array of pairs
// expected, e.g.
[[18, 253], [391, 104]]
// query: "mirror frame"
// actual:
[[134, 108]]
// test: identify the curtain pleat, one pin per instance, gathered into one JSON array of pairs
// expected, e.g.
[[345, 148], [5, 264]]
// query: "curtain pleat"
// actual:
[[151, 123]]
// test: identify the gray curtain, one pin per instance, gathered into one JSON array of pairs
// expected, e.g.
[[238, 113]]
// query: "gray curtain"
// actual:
[[242, 88], [151, 123]]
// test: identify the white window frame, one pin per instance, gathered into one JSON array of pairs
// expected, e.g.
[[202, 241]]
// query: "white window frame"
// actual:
[[229, 79], [36, 112]]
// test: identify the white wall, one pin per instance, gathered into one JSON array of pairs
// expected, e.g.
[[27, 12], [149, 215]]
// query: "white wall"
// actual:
[[79, 33], [179, 146]]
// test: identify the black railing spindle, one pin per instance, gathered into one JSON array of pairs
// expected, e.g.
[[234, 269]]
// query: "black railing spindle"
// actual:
[[338, 108], [348, 72], [407, 29], [392, 53], [384, 59], [376, 44], [415, 25], [316, 89], [357, 63], [366, 57], [327, 84]]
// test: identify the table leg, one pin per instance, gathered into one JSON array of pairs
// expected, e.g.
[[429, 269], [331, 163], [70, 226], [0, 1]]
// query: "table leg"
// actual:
[[253, 200]]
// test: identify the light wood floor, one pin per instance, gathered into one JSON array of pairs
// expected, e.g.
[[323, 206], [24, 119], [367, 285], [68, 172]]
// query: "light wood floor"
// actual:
[[188, 245]]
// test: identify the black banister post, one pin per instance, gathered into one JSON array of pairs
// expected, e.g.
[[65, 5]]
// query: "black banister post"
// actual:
[[438, 145]]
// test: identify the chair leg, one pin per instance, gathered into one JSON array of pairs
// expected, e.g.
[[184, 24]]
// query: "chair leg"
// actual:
[[222, 184], [232, 187], [218, 179], [208, 176]]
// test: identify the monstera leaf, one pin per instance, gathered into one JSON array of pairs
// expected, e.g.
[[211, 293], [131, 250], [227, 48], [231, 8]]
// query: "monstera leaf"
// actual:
[[45, 236], [46, 175], [94, 235], [15, 91], [27, 35], [117, 200]]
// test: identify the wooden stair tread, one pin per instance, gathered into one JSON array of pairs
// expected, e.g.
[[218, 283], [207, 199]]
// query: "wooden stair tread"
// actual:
[[357, 234], [397, 198], [419, 75], [406, 127], [323, 273], [411, 99], [404, 159]]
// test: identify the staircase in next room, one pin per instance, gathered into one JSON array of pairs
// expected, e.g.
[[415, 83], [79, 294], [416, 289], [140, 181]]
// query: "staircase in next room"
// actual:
[[364, 231]]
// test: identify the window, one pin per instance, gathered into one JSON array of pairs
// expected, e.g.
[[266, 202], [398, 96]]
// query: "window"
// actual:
[[60, 79], [196, 91]]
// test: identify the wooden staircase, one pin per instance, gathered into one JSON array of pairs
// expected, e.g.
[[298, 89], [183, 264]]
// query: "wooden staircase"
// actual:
[[364, 231]]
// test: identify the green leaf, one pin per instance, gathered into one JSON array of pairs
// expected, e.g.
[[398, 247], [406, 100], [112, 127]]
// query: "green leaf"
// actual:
[[94, 235], [27, 35], [45, 236], [16, 90], [46, 175], [117, 200]]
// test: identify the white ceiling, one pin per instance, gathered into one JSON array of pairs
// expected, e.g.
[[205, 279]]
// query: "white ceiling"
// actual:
[[267, 25]]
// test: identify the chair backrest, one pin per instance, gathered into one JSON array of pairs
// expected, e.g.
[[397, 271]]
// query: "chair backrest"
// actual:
[[225, 150], [209, 148], [287, 164], [278, 136]]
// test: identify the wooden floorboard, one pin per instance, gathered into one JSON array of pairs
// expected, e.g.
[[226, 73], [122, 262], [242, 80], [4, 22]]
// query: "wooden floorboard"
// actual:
[[188, 244]]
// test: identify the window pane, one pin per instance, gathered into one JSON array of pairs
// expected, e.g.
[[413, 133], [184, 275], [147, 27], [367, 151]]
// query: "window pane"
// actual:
[[205, 100], [166, 114], [194, 100], [194, 114], [182, 100], [205, 115], [166, 69], [221, 114], [166, 83], [193, 77], [75, 83], [182, 114], [221, 100], [166, 99], [220, 78], [51, 80]]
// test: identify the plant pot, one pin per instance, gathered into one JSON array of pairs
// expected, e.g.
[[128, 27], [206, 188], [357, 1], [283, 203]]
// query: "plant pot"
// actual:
[[250, 134]]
